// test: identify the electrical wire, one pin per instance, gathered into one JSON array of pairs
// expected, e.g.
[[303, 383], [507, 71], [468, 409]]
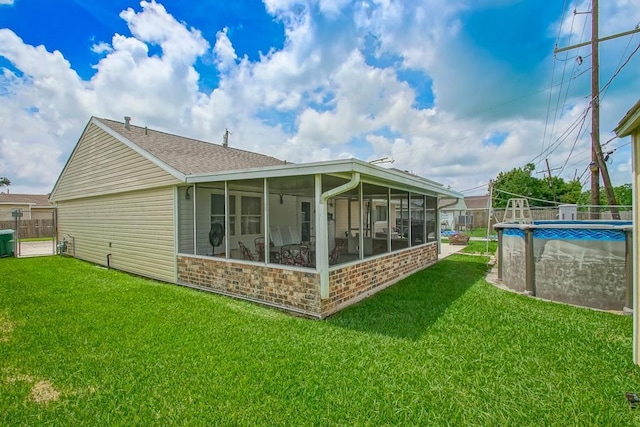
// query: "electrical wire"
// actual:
[[573, 146], [581, 73], [553, 73], [566, 93], [474, 188], [609, 140], [527, 197], [552, 147], [564, 70], [606, 86]]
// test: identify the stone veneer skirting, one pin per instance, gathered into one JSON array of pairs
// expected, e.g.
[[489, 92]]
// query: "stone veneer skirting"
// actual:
[[298, 290]]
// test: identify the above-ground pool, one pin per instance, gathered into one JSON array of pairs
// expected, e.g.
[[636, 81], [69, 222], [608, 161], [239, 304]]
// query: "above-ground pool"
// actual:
[[587, 263]]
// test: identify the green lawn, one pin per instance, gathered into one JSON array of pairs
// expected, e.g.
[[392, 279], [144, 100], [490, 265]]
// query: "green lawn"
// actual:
[[477, 246], [81, 345], [480, 232]]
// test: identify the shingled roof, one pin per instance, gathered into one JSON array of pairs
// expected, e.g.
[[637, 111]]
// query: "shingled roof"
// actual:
[[477, 202], [190, 156], [38, 200]]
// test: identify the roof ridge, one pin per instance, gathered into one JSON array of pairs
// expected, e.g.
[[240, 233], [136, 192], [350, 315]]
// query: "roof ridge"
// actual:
[[181, 155], [184, 137]]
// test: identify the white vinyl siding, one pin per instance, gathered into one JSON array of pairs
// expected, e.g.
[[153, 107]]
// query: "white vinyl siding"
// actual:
[[342, 220], [101, 164], [136, 228], [185, 218]]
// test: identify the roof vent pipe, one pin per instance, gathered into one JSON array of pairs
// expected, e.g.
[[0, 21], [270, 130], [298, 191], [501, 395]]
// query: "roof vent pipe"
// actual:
[[225, 138], [127, 122], [146, 130]]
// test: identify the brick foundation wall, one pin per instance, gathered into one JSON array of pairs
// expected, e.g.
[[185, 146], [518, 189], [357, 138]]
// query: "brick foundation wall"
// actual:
[[298, 290], [371, 275]]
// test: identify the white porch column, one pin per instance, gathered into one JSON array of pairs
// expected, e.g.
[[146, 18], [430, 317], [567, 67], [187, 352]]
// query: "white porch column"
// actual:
[[322, 243]]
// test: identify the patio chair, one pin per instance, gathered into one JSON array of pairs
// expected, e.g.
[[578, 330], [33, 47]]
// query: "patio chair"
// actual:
[[335, 254], [259, 242], [295, 255], [246, 253]]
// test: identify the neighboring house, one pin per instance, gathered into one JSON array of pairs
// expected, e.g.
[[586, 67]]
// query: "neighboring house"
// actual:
[[453, 215], [630, 126], [477, 202], [33, 206], [158, 205]]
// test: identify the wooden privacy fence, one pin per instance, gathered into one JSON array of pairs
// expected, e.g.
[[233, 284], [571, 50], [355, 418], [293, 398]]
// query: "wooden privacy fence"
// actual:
[[30, 228]]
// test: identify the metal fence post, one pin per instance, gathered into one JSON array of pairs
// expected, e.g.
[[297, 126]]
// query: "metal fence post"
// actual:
[[499, 252], [530, 267], [628, 271]]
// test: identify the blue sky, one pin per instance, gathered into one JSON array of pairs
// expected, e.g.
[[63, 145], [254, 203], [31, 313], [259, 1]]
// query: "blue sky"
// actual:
[[455, 90]]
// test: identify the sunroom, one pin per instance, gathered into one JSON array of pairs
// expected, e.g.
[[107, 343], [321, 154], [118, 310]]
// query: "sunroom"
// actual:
[[308, 238]]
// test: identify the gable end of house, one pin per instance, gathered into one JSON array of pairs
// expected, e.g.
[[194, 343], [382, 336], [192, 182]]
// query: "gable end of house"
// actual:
[[103, 162]]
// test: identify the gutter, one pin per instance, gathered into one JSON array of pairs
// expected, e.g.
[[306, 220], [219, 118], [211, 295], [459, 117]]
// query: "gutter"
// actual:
[[322, 248], [450, 204]]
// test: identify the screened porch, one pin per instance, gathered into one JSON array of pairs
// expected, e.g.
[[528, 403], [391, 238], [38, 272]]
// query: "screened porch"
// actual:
[[275, 220]]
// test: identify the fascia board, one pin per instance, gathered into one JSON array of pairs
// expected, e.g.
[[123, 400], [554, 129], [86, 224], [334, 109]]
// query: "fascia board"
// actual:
[[371, 174], [278, 171], [629, 122]]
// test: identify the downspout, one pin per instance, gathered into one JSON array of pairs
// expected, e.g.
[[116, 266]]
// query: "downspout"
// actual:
[[438, 230], [322, 242]]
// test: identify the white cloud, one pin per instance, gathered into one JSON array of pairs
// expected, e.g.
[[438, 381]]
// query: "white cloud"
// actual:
[[225, 53], [320, 80], [101, 48]]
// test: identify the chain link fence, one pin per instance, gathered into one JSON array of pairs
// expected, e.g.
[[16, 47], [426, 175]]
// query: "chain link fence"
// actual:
[[33, 237]]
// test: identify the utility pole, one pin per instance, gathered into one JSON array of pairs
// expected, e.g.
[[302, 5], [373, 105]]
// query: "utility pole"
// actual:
[[598, 165], [595, 114], [551, 186], [489, 214]]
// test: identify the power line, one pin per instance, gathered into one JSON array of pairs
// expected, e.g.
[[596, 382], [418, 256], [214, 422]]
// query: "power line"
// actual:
[[552, 147], [564, 69], [527, 197], [553, 73], [573, 146], [606, 86], [566, 93], [474, 188]]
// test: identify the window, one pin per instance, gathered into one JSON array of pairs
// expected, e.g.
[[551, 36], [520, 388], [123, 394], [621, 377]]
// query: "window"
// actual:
[[217, 212], [381, 213], [250, 215]]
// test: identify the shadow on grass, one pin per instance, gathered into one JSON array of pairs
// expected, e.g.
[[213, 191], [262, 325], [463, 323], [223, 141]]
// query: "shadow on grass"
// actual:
[[411, 306]]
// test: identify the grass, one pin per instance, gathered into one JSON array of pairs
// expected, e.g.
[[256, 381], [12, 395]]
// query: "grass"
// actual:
[[480, 247], [442, 347], [480, 232]]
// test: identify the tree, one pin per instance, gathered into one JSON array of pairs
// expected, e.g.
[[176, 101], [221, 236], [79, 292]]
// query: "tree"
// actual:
[[622, 192], [520, 181], [4, 181]]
